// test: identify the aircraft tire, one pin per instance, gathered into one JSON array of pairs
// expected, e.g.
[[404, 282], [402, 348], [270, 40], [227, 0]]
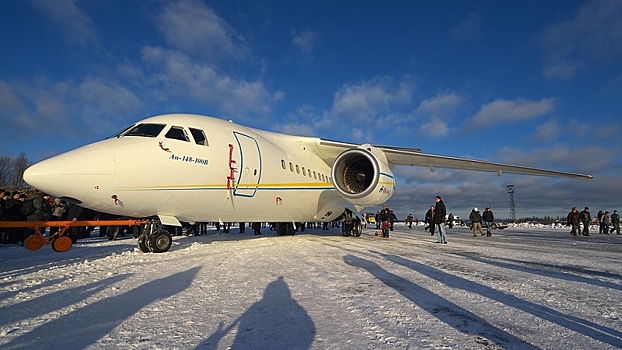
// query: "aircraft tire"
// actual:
[[161, 241], [143, 243], [493, 226], [357, 229]]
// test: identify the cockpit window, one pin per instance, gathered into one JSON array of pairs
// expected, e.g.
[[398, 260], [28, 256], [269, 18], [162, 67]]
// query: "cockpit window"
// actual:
[[199, 137], [145, 130], [177, 133]]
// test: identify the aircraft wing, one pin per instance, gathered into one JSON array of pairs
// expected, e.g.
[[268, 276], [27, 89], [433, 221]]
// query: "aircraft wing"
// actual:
[[414, 157]]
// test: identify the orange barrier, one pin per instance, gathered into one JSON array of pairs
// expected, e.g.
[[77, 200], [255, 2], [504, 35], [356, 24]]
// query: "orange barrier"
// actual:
[[59, 241]]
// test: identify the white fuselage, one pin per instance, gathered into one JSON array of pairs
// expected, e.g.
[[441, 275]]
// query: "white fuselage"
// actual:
[[237, 174]]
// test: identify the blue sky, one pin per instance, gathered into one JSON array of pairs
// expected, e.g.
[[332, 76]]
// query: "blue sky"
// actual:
[[536, 83]]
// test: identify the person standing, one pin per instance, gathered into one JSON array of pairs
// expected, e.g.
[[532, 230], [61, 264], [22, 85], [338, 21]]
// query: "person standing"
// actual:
[[488, 218], [429, 220], [586, 218], [476, 221], [600, 222], [409, 220], [606, 222], [385, 216], [439, 217], [573, 220], [615, 221], [392, 219]]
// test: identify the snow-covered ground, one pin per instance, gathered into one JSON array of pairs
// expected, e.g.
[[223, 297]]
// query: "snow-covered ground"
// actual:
[[522, 288]]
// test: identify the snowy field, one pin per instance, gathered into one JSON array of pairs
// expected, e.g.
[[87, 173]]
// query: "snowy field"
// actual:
[[522, 288]]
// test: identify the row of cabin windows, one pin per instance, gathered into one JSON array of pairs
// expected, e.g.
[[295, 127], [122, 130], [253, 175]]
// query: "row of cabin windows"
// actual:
[[299, 169]]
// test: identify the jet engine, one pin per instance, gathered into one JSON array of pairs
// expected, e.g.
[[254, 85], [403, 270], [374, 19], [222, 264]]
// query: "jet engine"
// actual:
[[362, 176]]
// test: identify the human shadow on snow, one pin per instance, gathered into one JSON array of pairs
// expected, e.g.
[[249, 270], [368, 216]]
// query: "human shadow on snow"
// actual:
[[574, 323], [441, 308], [276, 321], [83, 327], [548, 271], [32, 308]]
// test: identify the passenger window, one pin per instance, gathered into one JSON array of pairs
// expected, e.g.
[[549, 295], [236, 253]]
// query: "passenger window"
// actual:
[[283, 164], [304, 172], [145, 130], [297, 169], [177, 133], [314, 175], [199, 137], [291, 167]]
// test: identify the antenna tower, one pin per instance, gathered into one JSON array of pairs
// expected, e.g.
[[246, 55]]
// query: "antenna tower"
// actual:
[[512, 209]]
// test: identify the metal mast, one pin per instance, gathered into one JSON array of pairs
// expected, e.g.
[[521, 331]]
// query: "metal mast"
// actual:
[[512, 209]]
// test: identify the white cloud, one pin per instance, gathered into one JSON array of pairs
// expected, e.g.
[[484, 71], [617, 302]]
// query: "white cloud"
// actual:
[[441, 105], [469, 29], [510, 111], [70, 109], [592, 37], [8, 100], [189, 79], [371, 98], [194, 28], [588, 159], [75, 23], [294, 128], [305, 41], [548, 130], [434, 128]]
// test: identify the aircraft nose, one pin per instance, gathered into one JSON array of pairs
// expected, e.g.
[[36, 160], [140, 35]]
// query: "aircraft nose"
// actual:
[[83, 175]]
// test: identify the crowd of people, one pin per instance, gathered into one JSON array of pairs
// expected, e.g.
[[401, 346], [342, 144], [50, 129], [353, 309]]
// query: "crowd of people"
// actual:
[[37, 206], [607, 224]]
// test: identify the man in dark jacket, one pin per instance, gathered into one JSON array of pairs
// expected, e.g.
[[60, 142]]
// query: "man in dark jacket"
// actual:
[[586, 218], [429, 220], [488, 218], [385, 217], [573, 220], [476, 221], [439, 217]]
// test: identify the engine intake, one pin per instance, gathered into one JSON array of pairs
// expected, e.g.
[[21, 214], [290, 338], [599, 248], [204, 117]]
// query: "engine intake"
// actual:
[[362, 178]]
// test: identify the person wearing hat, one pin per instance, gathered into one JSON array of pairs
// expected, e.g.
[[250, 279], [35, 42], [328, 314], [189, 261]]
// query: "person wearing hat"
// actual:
[[488, 218], [615, 221], [439, 220], [476, 221], [385, 217], [586, 218], [573, 220]]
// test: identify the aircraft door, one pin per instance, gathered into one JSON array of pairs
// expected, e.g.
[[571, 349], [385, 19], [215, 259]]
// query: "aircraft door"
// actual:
[[249, 167]]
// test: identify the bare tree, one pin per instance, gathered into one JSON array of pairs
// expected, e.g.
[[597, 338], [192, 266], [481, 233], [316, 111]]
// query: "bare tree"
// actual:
[[5, 170], [20, 164]]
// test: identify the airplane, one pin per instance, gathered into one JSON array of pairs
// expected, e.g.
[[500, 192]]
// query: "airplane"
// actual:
[[177, 168]]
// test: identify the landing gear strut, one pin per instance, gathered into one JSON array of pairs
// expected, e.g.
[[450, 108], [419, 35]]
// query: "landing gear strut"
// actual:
[[154, 238], [285, 229]]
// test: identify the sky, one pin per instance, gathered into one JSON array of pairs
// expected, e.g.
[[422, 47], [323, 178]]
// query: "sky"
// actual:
[[536, 84]]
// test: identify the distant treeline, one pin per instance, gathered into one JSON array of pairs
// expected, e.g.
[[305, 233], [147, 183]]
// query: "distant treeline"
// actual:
[[12, 172]]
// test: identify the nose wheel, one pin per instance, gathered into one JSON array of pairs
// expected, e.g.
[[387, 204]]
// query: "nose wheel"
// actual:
[[154, 238]]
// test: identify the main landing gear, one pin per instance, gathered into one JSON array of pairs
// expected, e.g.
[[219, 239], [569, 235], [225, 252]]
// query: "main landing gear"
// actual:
[[154, 238]]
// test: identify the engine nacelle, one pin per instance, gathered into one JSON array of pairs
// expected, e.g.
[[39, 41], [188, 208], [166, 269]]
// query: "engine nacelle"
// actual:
[[362, 176]]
